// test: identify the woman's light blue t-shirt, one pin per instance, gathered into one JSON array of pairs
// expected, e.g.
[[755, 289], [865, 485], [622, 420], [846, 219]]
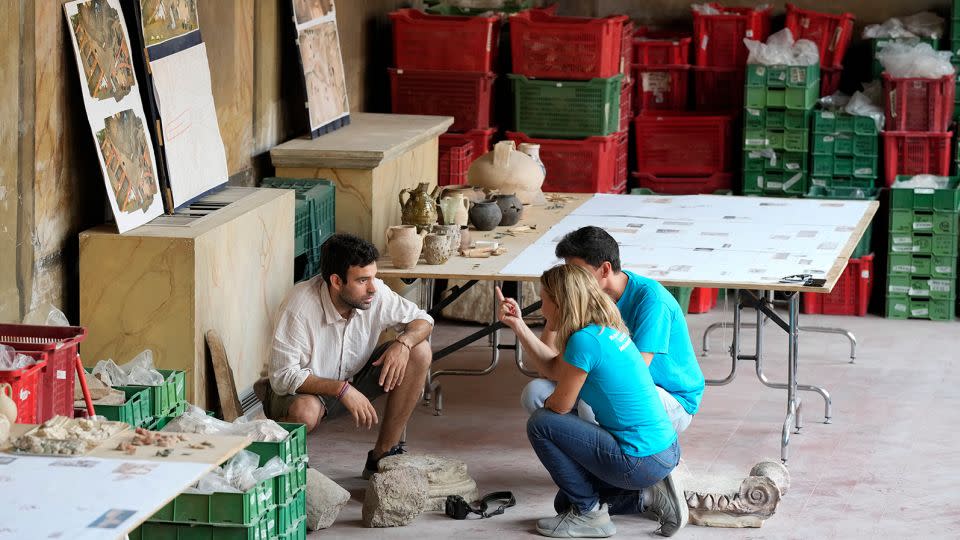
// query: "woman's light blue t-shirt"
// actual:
[[657, 326], [620, 390]]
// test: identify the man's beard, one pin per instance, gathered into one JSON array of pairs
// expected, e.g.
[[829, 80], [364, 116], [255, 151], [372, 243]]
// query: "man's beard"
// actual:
[[355, 303]]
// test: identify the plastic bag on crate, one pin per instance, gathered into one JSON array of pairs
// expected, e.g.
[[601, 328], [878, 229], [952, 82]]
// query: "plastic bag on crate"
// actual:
[[195, 420], [11, 360], [834, 102], [923, 24], [928, 181], [710, 9], [781, 50], [904, 61], [260, 430], [139, 371], [46, 315], [239, 474], [272, 468], [861, 105]]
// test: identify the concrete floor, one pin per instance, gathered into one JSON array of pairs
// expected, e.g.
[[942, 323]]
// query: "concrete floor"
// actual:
[[886, 466]]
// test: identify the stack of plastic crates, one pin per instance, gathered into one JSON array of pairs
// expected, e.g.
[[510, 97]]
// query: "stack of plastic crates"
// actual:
[[918, 113], [720, 55], [922, 262], [851, 294], [315, 218], [148, 405], [660, 71], [955, 49], [779, 103], [844, 150], [272, 508], [831, 33], [568, 80]]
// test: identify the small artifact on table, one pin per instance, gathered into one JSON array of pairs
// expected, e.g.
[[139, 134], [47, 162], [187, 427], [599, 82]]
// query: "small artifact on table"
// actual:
[[404, 245], [485, 215], [436, 248], [511, 209], [420, 208], [478, 253]]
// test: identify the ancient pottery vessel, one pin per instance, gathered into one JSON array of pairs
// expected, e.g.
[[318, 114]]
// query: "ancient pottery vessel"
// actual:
[[436, 248], [485, 215], [8, 407], [420, 206], [404, 245], [455, 209], [453, 235], [510, 207], [508, 170]]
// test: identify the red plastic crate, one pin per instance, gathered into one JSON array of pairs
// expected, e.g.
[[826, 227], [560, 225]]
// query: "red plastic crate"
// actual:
[[662, 87], [910, 153], [918, 104], [703, 299], [566, 48], [482, 140], [830, 80], [626, 47], [831, 32], [61, 345], [851, 294], [652, 48], [718, 39], [623, 165], [26, 389], [465, 96], [626, 102], [577, 166], [718, 89], [672, 143], [444, 43], [453, 160], [686, 185]]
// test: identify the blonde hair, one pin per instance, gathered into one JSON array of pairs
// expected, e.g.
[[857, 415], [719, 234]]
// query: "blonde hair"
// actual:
[[580, 302]]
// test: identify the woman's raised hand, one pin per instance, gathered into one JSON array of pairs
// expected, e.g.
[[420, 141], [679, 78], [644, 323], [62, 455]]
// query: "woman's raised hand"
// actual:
[[508, 311]]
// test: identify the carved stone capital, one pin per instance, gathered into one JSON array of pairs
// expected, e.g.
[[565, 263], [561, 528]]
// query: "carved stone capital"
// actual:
[[718, 501]]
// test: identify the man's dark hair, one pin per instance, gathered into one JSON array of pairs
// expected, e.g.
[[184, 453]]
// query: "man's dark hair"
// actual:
[[341, 251], [592, 244]]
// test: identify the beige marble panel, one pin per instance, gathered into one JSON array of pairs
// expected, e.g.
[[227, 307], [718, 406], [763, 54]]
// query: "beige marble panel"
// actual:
[[354, 196], [9, 168]]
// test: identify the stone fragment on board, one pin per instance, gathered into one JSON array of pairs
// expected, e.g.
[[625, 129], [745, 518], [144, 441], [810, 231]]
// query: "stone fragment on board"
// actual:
[[394, 498], [444, 476], [325, 499]]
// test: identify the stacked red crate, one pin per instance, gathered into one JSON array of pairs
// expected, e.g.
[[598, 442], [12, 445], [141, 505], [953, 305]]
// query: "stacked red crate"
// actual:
[[591, 165], [851, 294], [831, 33], [684, 152], [661, 70], [918, 114]]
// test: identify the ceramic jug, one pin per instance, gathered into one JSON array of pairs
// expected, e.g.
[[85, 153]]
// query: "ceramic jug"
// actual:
[[404, 244], [453, 235], [420, 206], [455, 209], [510, 207], [8, 407], [470, 193], [485, 215], [533, 150], [508, 170], [436, 248]]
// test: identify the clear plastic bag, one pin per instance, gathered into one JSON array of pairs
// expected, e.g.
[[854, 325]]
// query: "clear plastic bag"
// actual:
[[781, 50], [902, 61], [46, 315], [260, 430], [834, 102], [11, 360], [861, 105], [195, 420], [928, 181], [239, 474], [238, 471], [274, 467], [139, 371], [923, 24]]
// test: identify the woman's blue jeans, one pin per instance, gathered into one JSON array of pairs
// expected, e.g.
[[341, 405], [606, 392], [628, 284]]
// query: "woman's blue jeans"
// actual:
[[583, 458]]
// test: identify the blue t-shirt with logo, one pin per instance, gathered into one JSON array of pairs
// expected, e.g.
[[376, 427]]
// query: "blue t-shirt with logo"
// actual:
[[657, 326], [620, 390]]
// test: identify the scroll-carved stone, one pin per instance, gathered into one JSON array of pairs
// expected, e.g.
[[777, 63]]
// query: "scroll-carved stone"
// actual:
[[444, 477], [727, 501]]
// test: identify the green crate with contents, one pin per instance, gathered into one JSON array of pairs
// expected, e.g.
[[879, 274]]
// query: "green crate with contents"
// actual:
[[764, 118], [566, 109], [292, 511], [849, 193], [787, 184], [315, 215], [291, 450], [902, 307], [289, 484], [878, 43], [844, 149], [782, 87], [245, 509], [760, 160], [263, 529], [135, 410], [297, 532]]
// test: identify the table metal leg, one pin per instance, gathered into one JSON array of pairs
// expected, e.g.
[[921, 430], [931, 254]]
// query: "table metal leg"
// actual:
[[517, 349]]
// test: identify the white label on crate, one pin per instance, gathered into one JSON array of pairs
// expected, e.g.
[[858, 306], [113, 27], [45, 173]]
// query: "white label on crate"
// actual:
[[924, 191], [827, 114], [900, 307], [655, 81], [798, 75], [61, 374], [756, 142], [892, 110], [919, 292], [865, 274], [789, 183], [804, 22], [760, 182], [749, 33], [753, 154], [905, 249], [489, 37], [920, 312], [940, 285], [894, 289], [904, 268], [828, 138], [703, 43], [774, 185], [24, 394], [902, 240], [753, 112], [773, 160], [792, 166], [865, 171], [818, 182], [837, 35], [559, 85], [943, 269], [923, 225]]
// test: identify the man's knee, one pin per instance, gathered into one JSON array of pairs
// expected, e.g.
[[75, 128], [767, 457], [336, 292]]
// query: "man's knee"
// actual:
[[535, 393], [305, 410]]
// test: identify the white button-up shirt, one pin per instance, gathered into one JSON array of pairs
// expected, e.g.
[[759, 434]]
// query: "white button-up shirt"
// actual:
[[312, 337]]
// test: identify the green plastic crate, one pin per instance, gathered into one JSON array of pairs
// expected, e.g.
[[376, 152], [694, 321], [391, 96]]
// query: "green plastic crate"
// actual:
[[292, 512], [754, 118], [947, 199], [843, 144], [566, 109], [847, 193], [320, 221], [780, 184], [916, 308], [833, 122], [877, 43], [866, 145], [842, 182], [135, 409], [937, 245], [220, 508], [291, 450], [795, 140], [899, 285], [264, 529], [298, 532], [759, 75], [287, 485], [166, 397], [938, 222], [922, 265], [682, 294]]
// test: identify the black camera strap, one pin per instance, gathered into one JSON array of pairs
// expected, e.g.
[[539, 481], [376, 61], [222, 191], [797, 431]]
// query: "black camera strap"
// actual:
[[458, 508]]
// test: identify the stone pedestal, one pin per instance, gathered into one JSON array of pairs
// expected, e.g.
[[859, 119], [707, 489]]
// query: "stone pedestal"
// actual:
[[444, 477], [735, 501]]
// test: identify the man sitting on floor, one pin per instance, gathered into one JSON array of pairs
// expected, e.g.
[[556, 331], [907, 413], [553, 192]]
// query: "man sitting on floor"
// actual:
[[325, 360]]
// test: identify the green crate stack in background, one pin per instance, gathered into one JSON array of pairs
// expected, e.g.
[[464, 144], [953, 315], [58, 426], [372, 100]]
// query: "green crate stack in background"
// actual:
[[314, 219], [779, 102], [844, 150], [850, 193], [922, 263], [566, 109]]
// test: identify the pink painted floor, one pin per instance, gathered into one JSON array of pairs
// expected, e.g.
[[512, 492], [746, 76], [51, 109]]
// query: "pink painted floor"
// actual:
[[885, 468]]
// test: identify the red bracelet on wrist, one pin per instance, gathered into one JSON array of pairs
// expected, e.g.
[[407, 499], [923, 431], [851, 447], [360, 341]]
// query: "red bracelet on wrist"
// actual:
[[343, 389]]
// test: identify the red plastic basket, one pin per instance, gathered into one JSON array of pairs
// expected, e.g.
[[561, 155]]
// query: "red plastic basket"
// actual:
[[566, 48], [453, 160], [626, 47], [672, 143], [918, 104], [481, 139], [910, 153], [626, 102], [465, 96], [652, 48], [623, 164], [718, 89], [662, 87], [703, 299], [61, 345], [830, 80], [851, 294], [27, 388], [577, 166], [831, 33], [718, 39], [444, 43], [688, 185]]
